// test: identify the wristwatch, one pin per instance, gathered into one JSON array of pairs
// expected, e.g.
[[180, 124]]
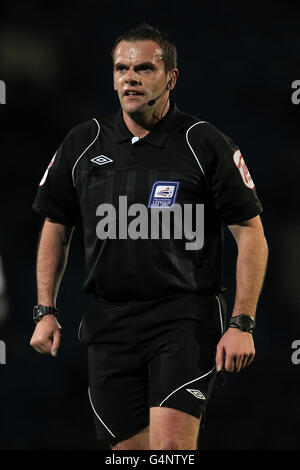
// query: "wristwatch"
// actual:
[[243, 322], [39, 311]]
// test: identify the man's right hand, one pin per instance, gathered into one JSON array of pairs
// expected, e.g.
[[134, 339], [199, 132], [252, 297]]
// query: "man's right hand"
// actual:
[[46, 336]]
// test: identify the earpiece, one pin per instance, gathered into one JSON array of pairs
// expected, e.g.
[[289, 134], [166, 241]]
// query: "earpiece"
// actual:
[[171, 81], [168, 86]]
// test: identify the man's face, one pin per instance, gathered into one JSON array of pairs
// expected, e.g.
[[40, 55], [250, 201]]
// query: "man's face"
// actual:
[[139, 74]]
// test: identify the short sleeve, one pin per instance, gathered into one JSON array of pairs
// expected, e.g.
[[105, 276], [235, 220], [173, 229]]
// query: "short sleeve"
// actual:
[[229, 180], [56, 197]]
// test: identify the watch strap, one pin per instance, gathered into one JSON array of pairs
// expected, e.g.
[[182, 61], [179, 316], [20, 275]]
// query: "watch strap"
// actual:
[[39, 311]]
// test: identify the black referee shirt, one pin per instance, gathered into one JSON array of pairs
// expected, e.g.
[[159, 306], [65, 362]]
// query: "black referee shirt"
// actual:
[[183, 160]]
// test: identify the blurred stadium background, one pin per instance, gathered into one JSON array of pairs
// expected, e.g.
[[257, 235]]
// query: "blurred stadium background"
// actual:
[[237, 62]]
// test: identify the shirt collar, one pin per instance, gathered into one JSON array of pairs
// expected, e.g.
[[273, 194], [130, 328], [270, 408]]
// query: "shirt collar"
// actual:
[[158, 134]]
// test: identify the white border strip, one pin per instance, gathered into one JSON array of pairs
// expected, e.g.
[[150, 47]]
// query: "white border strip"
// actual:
[[89, 392], [194, 380], [85, 150], [79, 331], [188, 142], [220, 313]]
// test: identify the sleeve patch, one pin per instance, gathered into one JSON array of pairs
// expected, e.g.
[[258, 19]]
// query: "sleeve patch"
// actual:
[[241, 166]]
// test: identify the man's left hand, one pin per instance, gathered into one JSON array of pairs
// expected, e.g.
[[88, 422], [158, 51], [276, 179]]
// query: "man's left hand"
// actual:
[[235, 350]]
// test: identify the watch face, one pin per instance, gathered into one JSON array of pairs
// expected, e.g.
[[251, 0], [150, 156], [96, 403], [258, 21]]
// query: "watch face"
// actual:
[[245, 322], [36, 313]]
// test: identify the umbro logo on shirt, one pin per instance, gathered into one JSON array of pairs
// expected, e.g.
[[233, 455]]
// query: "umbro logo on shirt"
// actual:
[[101, 159], [196, 393]]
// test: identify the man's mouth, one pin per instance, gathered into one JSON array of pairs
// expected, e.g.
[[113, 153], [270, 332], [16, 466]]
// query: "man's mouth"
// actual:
[[132, 93]]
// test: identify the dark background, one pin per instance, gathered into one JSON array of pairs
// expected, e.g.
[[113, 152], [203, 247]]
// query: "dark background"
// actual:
[[237, 61]]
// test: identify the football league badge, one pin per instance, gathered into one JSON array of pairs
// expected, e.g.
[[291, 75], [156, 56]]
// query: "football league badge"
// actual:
[[163, 194]]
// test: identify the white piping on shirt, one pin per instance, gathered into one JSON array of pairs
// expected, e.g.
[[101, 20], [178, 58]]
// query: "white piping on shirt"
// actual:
[[188, 142], [73, 169], [78, 334], [89, 392]]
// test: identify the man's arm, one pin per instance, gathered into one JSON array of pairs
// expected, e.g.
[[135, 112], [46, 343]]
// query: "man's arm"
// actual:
[[52, 258], [236, 348]]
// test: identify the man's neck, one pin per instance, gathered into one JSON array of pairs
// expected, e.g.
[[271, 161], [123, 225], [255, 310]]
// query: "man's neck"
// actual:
[[141, 125]]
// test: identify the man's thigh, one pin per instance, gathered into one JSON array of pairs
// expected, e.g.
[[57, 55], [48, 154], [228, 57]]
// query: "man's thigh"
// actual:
[[169, 429], [118, 393], [182, 369], [173, 429]]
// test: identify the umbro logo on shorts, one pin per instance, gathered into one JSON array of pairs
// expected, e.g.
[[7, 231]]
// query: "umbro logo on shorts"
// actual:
[[101, 159], [196, 393]]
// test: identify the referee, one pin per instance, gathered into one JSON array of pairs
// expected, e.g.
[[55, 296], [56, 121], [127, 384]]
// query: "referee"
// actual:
[[153, 188]]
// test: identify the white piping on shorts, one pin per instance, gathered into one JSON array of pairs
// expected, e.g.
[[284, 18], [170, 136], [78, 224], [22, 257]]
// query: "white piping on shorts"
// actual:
[[85, 150], [89, 392], [220, 313], [187, 383], [192, 150]]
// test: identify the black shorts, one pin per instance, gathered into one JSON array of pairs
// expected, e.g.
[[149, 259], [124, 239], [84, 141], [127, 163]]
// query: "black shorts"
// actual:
[[150, 354]]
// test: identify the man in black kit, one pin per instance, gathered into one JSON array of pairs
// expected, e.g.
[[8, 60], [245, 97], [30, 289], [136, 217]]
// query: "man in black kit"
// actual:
[[153, 188]]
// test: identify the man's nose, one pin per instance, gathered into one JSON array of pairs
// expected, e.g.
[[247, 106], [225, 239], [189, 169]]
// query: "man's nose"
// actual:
[[132, 77]]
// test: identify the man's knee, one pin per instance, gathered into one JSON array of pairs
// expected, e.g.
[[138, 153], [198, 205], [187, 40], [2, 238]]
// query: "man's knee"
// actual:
[[169, 443], [139, 441], [122, 446]]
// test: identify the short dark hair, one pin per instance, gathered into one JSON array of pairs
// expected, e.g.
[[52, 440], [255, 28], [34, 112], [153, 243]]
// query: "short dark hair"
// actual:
[[145, 32]]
